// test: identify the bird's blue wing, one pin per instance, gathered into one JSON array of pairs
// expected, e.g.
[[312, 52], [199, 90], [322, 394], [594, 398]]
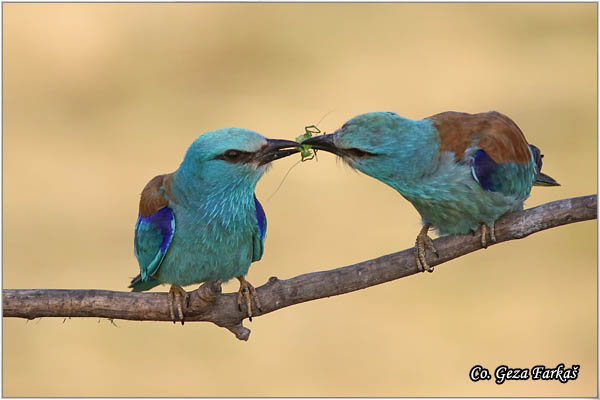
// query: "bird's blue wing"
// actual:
[[153, 236], [508, 178], [261, 230]]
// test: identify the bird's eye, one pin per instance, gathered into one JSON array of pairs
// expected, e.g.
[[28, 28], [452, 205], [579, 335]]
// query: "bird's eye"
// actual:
[[358, 153], [232, 155]]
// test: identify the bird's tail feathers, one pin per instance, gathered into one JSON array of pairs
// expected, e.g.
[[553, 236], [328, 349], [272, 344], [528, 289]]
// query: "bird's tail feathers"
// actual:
[[137, 285], [544, 180]]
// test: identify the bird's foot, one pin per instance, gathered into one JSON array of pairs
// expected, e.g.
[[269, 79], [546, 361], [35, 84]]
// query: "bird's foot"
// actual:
[[423, 242], [178, 296], [484, 229], [247, 292]]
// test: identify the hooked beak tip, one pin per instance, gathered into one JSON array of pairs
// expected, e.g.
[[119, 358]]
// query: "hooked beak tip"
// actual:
[[323, 142]]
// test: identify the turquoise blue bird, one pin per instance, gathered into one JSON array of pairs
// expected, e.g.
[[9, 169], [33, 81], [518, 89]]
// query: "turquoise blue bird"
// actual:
[[460, 171], [203, 222]]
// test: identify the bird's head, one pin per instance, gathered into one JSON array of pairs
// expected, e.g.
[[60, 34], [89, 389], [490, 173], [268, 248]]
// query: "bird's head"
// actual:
[[378, 144], [232, 155]]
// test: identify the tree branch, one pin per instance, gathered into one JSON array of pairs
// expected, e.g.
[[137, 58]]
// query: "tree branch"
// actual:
[[208, 304]]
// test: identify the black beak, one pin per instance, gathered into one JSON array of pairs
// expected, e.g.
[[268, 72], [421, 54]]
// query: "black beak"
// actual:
[[276, 149], [323, 142]]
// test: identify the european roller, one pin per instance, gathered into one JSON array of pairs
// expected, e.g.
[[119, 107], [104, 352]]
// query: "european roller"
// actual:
[[460, 171], [203, 222]]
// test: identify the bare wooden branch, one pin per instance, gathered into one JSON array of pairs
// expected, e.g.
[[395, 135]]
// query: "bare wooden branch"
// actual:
[[208, 304]]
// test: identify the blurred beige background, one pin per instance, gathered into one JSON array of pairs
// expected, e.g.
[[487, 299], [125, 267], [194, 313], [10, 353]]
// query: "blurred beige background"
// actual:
[[99, 98]]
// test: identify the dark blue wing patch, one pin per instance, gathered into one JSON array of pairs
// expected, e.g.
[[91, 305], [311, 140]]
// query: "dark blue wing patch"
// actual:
[[483, 169], [153, 235], [258, 238], [261, 219], [508, 178]]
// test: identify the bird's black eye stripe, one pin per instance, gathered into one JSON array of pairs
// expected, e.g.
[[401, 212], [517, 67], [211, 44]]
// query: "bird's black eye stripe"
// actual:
[[234, 156], [357, 153]]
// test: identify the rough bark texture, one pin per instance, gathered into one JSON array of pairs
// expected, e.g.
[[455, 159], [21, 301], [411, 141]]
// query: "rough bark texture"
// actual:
[[208, 304]]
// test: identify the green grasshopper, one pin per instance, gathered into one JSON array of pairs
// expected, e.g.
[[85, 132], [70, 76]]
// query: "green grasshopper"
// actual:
[[306, 151]]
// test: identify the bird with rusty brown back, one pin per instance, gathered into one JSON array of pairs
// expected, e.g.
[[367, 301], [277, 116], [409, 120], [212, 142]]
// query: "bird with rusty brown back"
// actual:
[[460, 171]]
